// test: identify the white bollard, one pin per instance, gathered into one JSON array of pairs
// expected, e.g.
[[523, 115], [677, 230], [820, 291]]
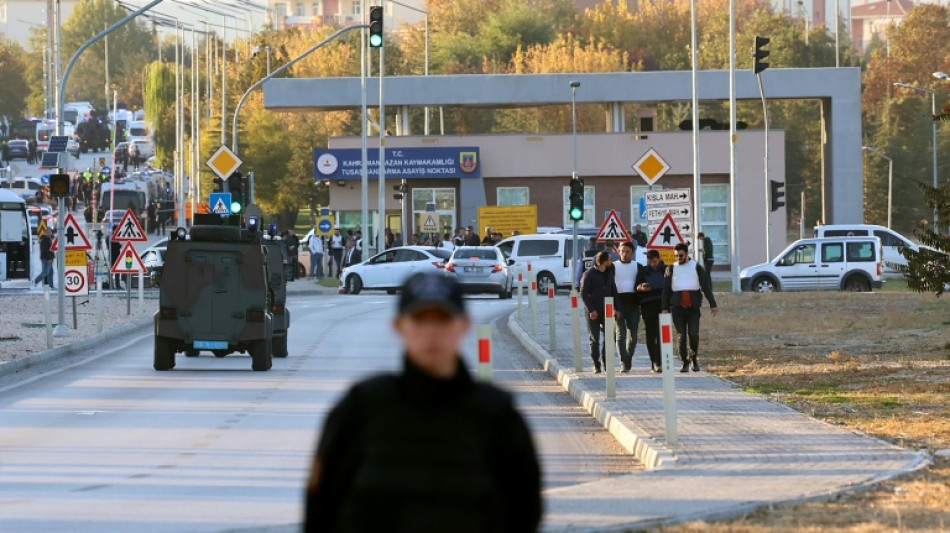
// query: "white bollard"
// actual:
[[610, 345], [520, 295], [141, 292], [49, 317], [669, 377], [533, 301], [484, 353], [552, 322], [98, 304], [576, 322]]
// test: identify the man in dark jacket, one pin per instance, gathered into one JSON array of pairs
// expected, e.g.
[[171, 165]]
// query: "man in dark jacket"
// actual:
[[650, 287], [46, 257], [684, 285], [428, 449], [597, 284], [471, 238]]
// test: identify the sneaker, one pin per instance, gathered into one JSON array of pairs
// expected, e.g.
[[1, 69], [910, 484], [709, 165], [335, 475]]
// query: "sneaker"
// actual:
[[625, 369], [658, 369], [695, 366], [685, 367], [597, 369]]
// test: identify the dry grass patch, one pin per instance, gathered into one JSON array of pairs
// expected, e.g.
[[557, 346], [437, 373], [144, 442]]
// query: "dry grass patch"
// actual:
[[877, 363]]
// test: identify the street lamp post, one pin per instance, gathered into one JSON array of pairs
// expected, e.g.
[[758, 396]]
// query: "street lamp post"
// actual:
[[426, 72], [890, 181], [574, 85], [933, 125]]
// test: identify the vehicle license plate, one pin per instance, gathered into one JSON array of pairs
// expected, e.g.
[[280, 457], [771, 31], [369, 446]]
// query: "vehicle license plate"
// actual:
[[473, 269], [211, 345]]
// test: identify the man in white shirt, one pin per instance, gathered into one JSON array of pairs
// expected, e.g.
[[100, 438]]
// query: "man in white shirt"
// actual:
[[315, 245], [684, 285], [628, 303]]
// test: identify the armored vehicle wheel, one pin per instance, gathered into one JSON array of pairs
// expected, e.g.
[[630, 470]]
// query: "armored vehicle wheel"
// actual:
[[261, 357], [279, 342], [164, 354], [191, 353], [219, 353]]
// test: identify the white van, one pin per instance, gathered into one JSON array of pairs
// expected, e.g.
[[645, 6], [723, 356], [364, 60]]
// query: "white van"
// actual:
[[549, 255], [838, 263], [139, 134], [892, 241], [48, 129]]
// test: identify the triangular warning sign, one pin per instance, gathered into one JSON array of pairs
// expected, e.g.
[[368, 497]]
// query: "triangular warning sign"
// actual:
[[129, 261], [613, 230], [667, 235], [220, 208], [430, 223], [129, 229], [75, 237]]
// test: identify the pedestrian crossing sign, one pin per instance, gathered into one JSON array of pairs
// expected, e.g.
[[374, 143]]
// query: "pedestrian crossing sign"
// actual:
[[220, 203], [613, 229], [129, 229]]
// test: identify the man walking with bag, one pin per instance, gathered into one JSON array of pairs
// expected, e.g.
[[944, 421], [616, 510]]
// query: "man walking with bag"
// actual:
[[684, 285], [596, 285]]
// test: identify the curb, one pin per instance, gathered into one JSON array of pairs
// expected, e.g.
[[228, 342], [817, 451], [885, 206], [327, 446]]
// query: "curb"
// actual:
[[652, 454], [66, 350]]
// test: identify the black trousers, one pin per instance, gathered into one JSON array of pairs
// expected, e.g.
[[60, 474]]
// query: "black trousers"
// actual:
[[597, 348], [650, 311], [708, 264], [686, 323]]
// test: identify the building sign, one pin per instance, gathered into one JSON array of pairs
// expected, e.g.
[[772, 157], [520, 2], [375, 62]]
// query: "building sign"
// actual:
[[401, 163]]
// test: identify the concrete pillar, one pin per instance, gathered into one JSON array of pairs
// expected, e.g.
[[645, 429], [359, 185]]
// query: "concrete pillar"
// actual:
[[615, 118], [403, 124]]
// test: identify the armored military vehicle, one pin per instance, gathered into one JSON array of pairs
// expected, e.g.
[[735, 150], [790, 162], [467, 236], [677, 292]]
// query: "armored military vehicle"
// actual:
[[277, 292], [214, 297]]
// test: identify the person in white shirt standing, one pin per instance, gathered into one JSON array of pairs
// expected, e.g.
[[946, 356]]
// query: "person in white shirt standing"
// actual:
[[684, 285], [315, 245], [447, 243], [628, 303], [336, 253]]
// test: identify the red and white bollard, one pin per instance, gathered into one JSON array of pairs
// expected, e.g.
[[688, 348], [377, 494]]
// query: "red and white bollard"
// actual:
[[576, 323], [610, 345], [533, 301], [484, 353], [552, 320], [669, 377]]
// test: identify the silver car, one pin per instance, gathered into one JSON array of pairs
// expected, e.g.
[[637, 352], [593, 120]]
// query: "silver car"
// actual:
[[481, 269]]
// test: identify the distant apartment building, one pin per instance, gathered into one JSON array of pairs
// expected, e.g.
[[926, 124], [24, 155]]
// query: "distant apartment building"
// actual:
[[18, 17], [288, 13], [873, 17]]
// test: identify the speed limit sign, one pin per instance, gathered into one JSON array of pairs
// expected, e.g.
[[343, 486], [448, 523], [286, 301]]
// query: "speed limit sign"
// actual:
[[77, 283]]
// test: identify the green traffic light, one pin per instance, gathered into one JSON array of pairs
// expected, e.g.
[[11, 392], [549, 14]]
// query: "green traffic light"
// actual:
[[576, 213], [375, 41], [235, 207]]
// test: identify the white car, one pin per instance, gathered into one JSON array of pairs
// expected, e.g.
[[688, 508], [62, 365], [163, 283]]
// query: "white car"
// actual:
[[25, 188], [892, 241], [388, 270], [835, 263]]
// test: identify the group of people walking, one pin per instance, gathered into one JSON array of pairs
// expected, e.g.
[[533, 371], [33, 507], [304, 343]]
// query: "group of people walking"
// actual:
[[646, 291]]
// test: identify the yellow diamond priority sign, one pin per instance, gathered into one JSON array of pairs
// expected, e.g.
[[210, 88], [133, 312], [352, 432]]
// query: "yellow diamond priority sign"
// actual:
[[224, 162], [651, 166]]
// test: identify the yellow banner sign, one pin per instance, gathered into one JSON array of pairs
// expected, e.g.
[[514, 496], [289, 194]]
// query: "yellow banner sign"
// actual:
[[508, 219], [75, 258]]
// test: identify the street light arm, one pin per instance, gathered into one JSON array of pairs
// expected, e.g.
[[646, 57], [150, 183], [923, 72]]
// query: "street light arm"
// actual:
[[90, 42], [281, 70]]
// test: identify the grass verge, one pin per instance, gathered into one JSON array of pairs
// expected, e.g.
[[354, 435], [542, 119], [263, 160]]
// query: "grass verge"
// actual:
[[877, 363]]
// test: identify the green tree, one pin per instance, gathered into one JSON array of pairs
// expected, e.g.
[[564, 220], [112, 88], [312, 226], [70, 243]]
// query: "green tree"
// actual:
[[160, 97], [13, 85], [928, 270]]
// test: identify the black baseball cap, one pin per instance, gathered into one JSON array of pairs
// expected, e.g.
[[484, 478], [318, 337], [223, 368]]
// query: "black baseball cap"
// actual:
[[425, 291]]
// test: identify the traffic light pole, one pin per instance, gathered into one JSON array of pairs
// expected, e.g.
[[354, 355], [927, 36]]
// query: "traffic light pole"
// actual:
[[768, 186], [380, 225]]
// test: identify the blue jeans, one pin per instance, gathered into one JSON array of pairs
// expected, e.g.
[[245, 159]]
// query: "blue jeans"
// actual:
[[46, 275], [627, 327], [316, 265]]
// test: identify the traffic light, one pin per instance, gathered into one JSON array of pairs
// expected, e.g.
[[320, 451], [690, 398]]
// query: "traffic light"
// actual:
[[758, 65], [59, 185], [238, 188], [401, 190], [218, 185], [576, 209], [376, 26], [776, 194]]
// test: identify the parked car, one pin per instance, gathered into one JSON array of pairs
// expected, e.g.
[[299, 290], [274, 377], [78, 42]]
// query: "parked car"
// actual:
[[388, 270], [892, 241], [840, 263], [25, 188], [154, 259], [18, 149], [481, 269]]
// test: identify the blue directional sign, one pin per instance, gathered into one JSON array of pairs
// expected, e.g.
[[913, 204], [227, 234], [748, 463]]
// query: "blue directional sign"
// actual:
[[324, 227], [220, 203], [44, 179]]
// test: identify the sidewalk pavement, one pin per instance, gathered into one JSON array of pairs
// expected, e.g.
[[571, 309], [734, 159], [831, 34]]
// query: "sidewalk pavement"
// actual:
[[736, 451]]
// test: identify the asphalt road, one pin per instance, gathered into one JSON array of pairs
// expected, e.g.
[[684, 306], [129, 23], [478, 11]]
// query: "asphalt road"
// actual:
[[105, 443]]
